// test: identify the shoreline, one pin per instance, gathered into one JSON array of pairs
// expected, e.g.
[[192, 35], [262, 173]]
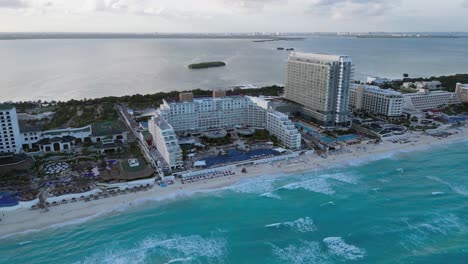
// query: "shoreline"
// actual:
[[26, 221]]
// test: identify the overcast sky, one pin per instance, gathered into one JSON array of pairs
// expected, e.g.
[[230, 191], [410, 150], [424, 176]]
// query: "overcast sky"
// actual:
[[232, 15]]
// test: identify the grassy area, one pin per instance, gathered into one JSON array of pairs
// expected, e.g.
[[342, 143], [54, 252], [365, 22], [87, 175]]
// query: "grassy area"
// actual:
[[126, 167], [74, 114]]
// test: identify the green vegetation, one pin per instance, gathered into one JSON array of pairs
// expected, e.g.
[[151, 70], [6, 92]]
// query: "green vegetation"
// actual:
[[204, 65], [456, 109], [264, 135], [448, 82], [14, 178], [81, 113], [126, 167], [218, 141], [135, 151], [408, 90]]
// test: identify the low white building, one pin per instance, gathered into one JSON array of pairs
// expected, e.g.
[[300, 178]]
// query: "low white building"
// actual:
[[64, 140], [373, 100], [377, 80], [202, 114], [432, 85], [279, 125], [211, 113], [10, 138], [429, 100], [220, 112], [31, 135], [165, 140], [462, 92]]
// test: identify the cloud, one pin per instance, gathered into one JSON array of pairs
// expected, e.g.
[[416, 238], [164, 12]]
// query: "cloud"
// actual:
[[254, 5], [11, 3], [202, 9], [465, 3], [343, 9]]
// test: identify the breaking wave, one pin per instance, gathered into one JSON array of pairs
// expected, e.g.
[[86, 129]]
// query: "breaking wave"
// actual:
[[307, 252], [175, 249], [318, 185], [302, 225], [457, 189], [338, 247]]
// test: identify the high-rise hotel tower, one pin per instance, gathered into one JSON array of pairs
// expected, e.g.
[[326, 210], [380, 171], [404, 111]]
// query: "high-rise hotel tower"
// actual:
[[320, 83], [10, 138]]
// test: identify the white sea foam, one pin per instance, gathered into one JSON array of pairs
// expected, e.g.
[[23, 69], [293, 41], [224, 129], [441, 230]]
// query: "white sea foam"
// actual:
[[191, 246], [176, 249], [341, 177], [437, 193], [259, 185], [457, 189], [419, 234], [302, 225], [338, 247], [318, 185], [271, 195], [306, 252], [179, 260], [331, 203], [24, 243]]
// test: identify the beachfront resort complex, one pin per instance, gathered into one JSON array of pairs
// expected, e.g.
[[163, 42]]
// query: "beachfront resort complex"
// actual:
[[320, 84], [203, 135], [212, 117], [373, 100]]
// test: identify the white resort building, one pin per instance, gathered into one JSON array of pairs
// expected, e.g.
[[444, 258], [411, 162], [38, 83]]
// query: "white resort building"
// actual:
[[165, 140], [278, 124], [320, 84], [462, 92], [425, 100], [211, 113], [218, 112], [376, 101], [10, 139]]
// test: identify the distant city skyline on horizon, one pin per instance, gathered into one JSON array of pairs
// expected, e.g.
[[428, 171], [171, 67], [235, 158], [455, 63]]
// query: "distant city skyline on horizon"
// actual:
[[182, 16]]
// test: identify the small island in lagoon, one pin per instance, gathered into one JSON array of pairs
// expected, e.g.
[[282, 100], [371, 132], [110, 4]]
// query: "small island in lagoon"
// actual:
[[204, 65]]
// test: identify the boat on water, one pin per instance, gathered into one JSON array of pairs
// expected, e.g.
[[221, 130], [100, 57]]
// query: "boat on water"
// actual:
[[280, 48]]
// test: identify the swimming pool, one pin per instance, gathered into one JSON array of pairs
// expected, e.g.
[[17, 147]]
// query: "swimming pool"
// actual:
[[306, 128], [348, 137], [234, 155], [327, 139]]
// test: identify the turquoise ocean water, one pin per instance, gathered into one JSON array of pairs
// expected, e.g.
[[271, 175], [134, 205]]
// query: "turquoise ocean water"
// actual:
[[364, 213]]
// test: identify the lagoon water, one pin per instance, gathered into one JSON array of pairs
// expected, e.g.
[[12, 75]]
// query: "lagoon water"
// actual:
[[365, 213], [66, 69]]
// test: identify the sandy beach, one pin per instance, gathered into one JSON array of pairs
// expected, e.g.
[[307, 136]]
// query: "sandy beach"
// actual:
[[25, 220]]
